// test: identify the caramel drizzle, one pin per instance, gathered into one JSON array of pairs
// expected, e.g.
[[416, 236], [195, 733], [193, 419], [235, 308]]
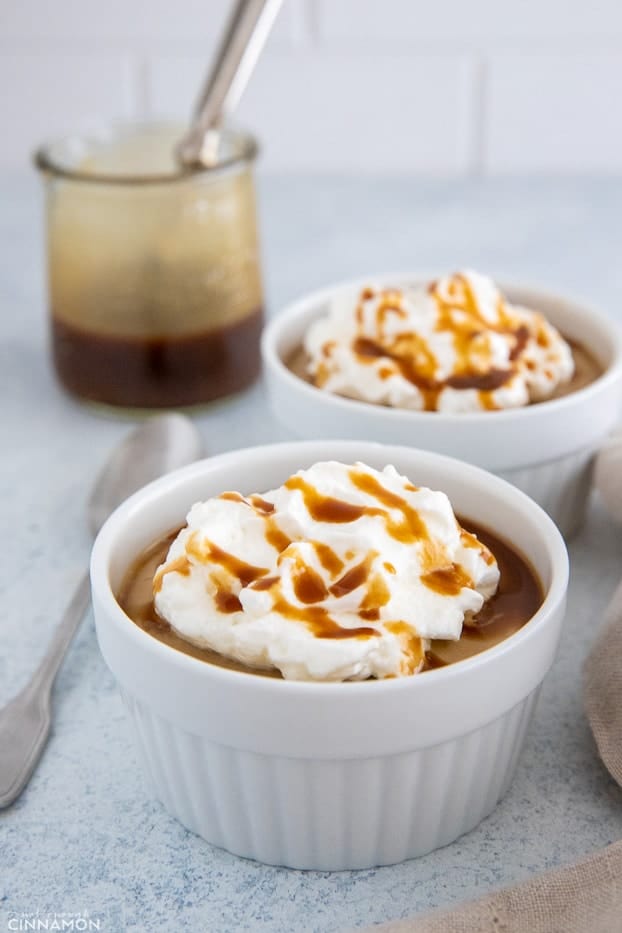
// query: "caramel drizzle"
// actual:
[[178, 565], [409, 528], [353, 578], [325, 508], [412, 358], [468, 539], [309, 587], [265, 583], [390, 304], [274, 536], [461, 315], [319, 621], [412, 646], [522, 339], [232, 496], [266, 507], [206, 551], [330, 561], [447, 581], [277, 538], [254, 502], [377, 596], [517, 599], [227, 602]]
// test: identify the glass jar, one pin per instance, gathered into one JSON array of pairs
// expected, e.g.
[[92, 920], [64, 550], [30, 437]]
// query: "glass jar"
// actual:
[[154, 277]]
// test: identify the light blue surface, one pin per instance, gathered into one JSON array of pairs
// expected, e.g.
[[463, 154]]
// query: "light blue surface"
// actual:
[[86, 836]]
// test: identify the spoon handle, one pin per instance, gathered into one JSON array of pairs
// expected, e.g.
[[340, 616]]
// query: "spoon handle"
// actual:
[[44, 676], [25, 720], [246, 32]]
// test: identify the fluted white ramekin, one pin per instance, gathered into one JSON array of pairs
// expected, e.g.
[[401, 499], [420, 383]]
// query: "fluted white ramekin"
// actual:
[[328, 776], [547, 450]]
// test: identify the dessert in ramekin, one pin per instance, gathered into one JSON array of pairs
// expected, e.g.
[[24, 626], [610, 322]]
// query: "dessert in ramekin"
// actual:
[[328, 775], [539, 430]]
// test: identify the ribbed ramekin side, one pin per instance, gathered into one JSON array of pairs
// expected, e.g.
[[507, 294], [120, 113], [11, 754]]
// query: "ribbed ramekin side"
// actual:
[[330, 814], [560, 486]]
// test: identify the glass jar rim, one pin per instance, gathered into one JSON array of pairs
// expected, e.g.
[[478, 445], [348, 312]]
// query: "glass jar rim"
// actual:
[[245, 150]]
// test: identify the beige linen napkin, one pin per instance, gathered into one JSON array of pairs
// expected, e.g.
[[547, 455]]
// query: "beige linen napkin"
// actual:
[[585, 898], [582, 898]]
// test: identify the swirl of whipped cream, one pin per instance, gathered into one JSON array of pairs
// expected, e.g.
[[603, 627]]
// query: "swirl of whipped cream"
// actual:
[[456, 345], [342, 573]]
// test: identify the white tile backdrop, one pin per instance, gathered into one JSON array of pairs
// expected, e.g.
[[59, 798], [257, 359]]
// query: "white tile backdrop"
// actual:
[[357, 86]]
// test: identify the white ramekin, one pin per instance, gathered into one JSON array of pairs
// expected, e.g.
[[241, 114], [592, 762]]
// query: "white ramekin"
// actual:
[[328, 776], [547, 450]]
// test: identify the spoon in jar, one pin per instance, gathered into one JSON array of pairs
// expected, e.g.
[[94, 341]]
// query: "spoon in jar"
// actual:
[[161, 444], [245, 34]]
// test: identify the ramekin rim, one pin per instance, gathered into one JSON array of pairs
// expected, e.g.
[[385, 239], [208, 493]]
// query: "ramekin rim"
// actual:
[[102, 550], [272, 359]]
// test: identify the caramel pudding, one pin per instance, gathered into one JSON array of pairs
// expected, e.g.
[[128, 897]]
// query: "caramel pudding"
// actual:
[[586, 370], [420, 591], [517, 599], [454, 345]]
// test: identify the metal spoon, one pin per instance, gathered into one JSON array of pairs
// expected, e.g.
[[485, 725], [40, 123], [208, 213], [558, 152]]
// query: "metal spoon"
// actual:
[[245, 34], [158, 446]]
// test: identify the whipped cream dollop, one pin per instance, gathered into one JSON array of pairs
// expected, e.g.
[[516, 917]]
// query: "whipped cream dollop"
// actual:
[[342, 573], [455, 345]]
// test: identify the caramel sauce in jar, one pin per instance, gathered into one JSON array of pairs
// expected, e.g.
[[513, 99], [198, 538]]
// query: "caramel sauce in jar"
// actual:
[[157, 372]]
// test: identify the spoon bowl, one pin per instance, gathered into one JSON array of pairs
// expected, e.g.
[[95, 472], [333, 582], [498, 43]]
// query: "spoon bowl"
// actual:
[[158, 446]]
